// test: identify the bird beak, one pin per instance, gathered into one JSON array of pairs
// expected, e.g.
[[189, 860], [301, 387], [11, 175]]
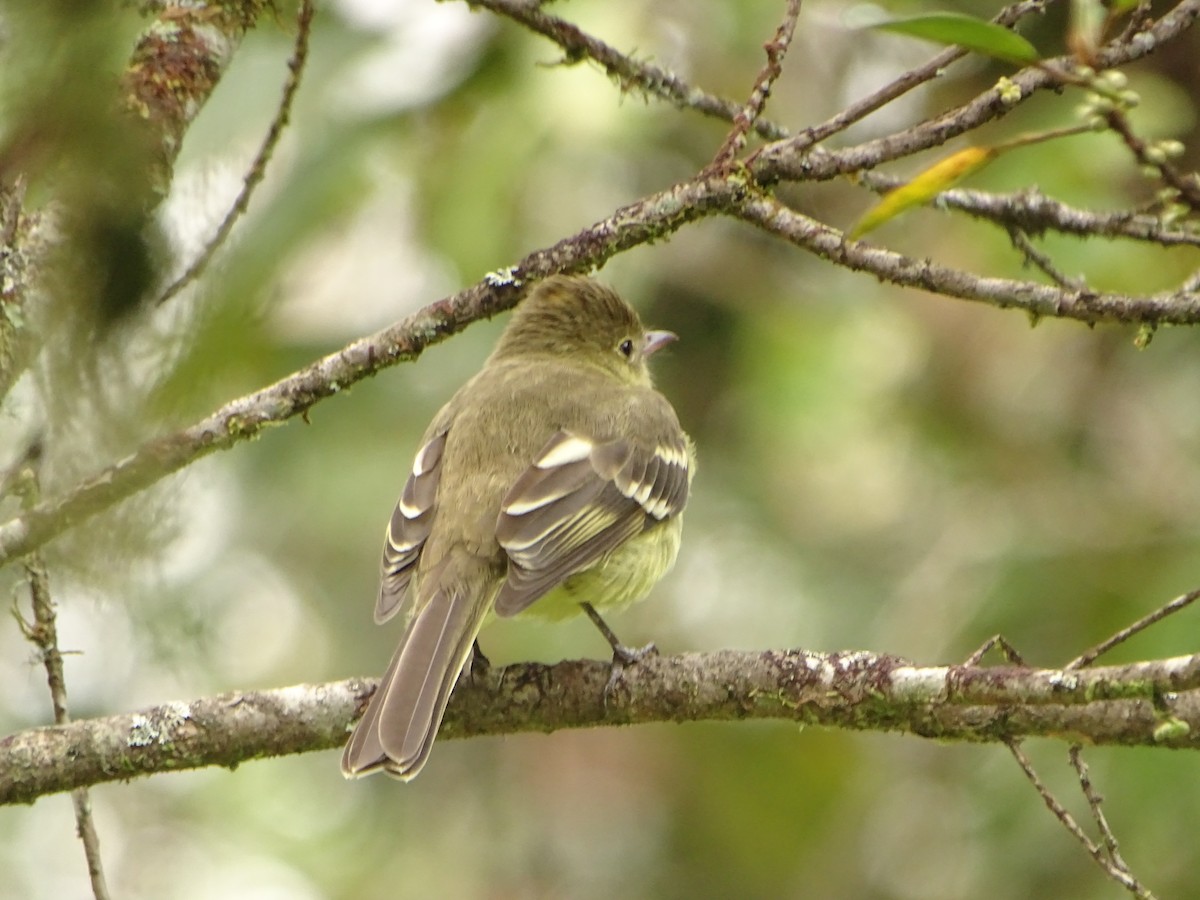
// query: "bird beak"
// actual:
[[656, 340]]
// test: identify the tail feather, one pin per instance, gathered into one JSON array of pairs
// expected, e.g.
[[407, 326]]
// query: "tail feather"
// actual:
[[397, 730]]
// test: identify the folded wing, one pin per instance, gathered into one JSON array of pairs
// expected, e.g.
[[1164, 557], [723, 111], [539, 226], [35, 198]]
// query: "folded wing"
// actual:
[[409, 527], [579, 501]]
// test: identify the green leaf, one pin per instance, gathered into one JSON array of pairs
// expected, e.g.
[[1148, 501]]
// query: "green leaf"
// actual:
[[967, 32]]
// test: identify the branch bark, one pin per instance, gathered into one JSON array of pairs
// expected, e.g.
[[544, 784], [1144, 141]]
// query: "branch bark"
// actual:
[[1154, 703], [652, 218]]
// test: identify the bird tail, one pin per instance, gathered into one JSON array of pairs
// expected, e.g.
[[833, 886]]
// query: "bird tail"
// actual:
[[397, 730]]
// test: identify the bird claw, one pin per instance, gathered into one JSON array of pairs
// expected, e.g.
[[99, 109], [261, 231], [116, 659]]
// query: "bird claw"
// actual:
[[622, 657]]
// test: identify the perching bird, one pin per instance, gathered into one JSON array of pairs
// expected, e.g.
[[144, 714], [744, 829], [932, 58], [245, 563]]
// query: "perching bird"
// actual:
[[553, 479]]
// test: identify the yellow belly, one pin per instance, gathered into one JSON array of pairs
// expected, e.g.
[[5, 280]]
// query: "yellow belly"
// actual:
[[623, 577]]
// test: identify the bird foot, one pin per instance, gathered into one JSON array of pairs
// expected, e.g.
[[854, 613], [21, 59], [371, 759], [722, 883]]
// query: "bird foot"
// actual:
[[622, 658]]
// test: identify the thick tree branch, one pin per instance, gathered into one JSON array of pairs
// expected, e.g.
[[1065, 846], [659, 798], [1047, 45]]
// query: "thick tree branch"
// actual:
[[1128, 705], [177, 63], [646, 220]]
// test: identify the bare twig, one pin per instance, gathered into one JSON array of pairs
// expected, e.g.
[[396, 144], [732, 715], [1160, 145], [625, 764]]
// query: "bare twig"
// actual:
[[1117, 873], [795, 159], [1167, 609], [1038, 300], [627, 72], [1095, 801], [910, 80], [1109, 856], [1187, 186], [656, 81], [1033, 212], [258, 169], [43, 633], [776, 49], [1037, 258], [996, 640]]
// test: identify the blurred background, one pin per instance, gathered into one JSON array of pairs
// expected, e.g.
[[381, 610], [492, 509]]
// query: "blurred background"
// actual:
[[880, 469]]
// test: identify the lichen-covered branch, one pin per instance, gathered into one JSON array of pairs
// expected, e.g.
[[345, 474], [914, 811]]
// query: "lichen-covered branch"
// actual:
[[629, 74], [792, 159], [651, 218], [751, 111], [1037, 299], [1034, 212], [1145, 704], [737, 192], [177, 62]]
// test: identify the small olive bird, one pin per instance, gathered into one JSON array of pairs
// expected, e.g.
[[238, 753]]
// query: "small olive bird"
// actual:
[[553, 481]]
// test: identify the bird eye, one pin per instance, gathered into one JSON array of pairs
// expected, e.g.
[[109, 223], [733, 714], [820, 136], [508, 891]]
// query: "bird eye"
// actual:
[[626, 348]]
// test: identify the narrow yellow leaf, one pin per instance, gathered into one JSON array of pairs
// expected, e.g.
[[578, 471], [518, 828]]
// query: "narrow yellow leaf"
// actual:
[[923, 188]]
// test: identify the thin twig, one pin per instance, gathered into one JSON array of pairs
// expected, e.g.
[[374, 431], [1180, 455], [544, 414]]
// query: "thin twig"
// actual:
[[1090, 656], [795, 159], [771, 215], [258, 169], [658, 82], [1095, 801], [1037, 258], [1122, 877], [1187, 186], [776, 49], [906, 82], [1034, 212], [626, 71], [43, 633], [996, 640]]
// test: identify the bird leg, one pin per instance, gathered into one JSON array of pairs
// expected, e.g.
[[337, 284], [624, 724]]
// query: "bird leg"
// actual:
[[622, 656], [478, 665]]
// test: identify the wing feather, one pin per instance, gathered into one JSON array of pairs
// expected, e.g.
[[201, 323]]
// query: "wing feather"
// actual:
[[409, 527], [578, 502]]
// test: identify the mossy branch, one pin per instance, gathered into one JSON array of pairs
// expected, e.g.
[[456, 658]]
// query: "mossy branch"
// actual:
[[1147, 704]]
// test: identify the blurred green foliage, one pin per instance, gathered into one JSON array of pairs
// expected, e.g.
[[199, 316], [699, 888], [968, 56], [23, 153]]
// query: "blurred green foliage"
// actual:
[[879, 469]]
